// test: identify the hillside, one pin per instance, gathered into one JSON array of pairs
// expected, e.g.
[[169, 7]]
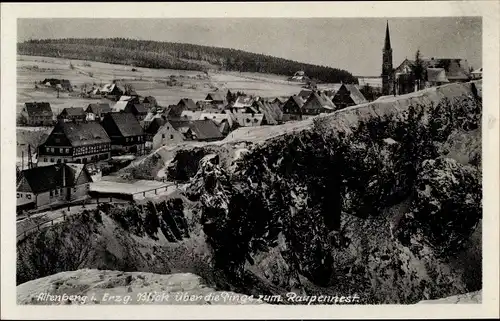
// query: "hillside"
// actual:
[[153, 54]]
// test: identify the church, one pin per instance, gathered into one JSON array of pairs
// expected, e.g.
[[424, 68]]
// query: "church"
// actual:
[[436, 72]]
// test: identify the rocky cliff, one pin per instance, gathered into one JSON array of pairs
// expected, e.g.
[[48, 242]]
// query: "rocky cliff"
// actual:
[[382, 200]]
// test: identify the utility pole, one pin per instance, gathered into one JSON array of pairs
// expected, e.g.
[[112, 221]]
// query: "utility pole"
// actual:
[[22, 160]]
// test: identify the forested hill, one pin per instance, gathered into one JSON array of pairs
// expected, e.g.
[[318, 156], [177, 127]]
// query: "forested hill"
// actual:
[[154, 54]]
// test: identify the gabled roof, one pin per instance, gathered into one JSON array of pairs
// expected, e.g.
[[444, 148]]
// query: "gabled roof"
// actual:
[[298, 100], [272, 112], [215, 96], [98, 108], [324, 101], [201, 129], [127, 124], [108, 88], [156, 123], [45, 178], [189, 103], [38, 109], [436, 75], [355, 94], [305, 93], [140, 109], [80, 134], [74, 111], [247, 120]]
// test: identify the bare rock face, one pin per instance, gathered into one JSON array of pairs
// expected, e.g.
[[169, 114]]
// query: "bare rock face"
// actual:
[[84, 287], [446, 206], [362, 201]]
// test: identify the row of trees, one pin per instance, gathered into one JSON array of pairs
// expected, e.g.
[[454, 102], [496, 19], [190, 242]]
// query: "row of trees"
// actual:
[[154, 54]]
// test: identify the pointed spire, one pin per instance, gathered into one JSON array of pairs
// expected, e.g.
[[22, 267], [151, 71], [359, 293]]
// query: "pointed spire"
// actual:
[[387, 45]]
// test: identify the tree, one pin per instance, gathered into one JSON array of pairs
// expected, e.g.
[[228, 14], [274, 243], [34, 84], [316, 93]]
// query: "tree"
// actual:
[[419, 69]]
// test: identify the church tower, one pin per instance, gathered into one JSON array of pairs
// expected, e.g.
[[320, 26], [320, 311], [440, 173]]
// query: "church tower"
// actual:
[[387, 74]]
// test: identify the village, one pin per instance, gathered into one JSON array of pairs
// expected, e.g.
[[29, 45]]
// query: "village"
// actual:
[[86, 144]]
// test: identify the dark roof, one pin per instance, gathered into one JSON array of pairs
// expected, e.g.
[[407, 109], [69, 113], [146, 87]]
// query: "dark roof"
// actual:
[[99, 108], [215, 96], [127, 124], [387, 44], [149, 100], [305, 93], [202, 129], [436, 75], [271, 111], [74, 111], [156, 123], [44, 178], [322, 99], [80, 134], [38, 109], [189, 103], [355, 94], [298, 100], [141, 109]]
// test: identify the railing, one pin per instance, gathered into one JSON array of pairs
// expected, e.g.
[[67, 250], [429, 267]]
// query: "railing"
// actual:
[[21, 236]]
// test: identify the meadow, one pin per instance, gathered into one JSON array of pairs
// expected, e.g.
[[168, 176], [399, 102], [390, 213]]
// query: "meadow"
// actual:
[[145, 81]]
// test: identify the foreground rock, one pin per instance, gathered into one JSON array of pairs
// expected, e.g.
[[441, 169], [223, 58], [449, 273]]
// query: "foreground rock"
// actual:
[[114, 287]]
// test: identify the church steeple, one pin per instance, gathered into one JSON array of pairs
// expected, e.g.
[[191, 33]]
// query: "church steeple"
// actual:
[[387, 72], [387, 45]]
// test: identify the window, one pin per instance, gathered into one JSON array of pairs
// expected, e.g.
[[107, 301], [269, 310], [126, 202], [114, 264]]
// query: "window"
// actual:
[[248, 120], [56, 192], [19, 195], [58, 161], [51, 160], [74, 189], [51, 194], [168, 128], [45, 159], [65, 160], [28, 196], [162, 135], [171, 136]]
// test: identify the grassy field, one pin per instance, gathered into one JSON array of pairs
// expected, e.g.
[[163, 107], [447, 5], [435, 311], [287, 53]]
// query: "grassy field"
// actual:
[[190, 84]]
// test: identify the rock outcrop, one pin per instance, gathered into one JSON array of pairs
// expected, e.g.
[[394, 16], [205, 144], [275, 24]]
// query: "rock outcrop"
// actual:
[[104, 287], [377, 200]]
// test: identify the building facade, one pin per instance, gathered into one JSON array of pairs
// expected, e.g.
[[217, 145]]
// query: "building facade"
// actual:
[[75, 143], [125, 132]]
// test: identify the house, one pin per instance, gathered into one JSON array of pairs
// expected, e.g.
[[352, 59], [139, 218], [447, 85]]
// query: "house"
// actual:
[[248, 119], [279, 101], [63, 84], [151, 130], [37, 114], [53, 184], [187, 104], [97, 111], [436, 76], [149, 118], [138, 110], [111, 90], [216, 98], [317, 104], [166, 135], [243, 102], [125, 132], [477, 74], [198, 130], [75, 143], [292, 109], [272, 113], [456, 69], [305, 93], [74, 114], [125, 103], [217, 117], [149, 102], [348, 95], [299, 76]]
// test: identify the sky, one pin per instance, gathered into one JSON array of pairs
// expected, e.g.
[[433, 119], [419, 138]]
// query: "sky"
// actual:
[[353, 44]]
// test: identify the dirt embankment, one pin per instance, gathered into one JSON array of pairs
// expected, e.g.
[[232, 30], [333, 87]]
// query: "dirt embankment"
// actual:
[[379, 200]]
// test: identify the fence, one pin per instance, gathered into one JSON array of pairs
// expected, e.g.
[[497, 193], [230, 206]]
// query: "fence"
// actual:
[[50, 222]]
